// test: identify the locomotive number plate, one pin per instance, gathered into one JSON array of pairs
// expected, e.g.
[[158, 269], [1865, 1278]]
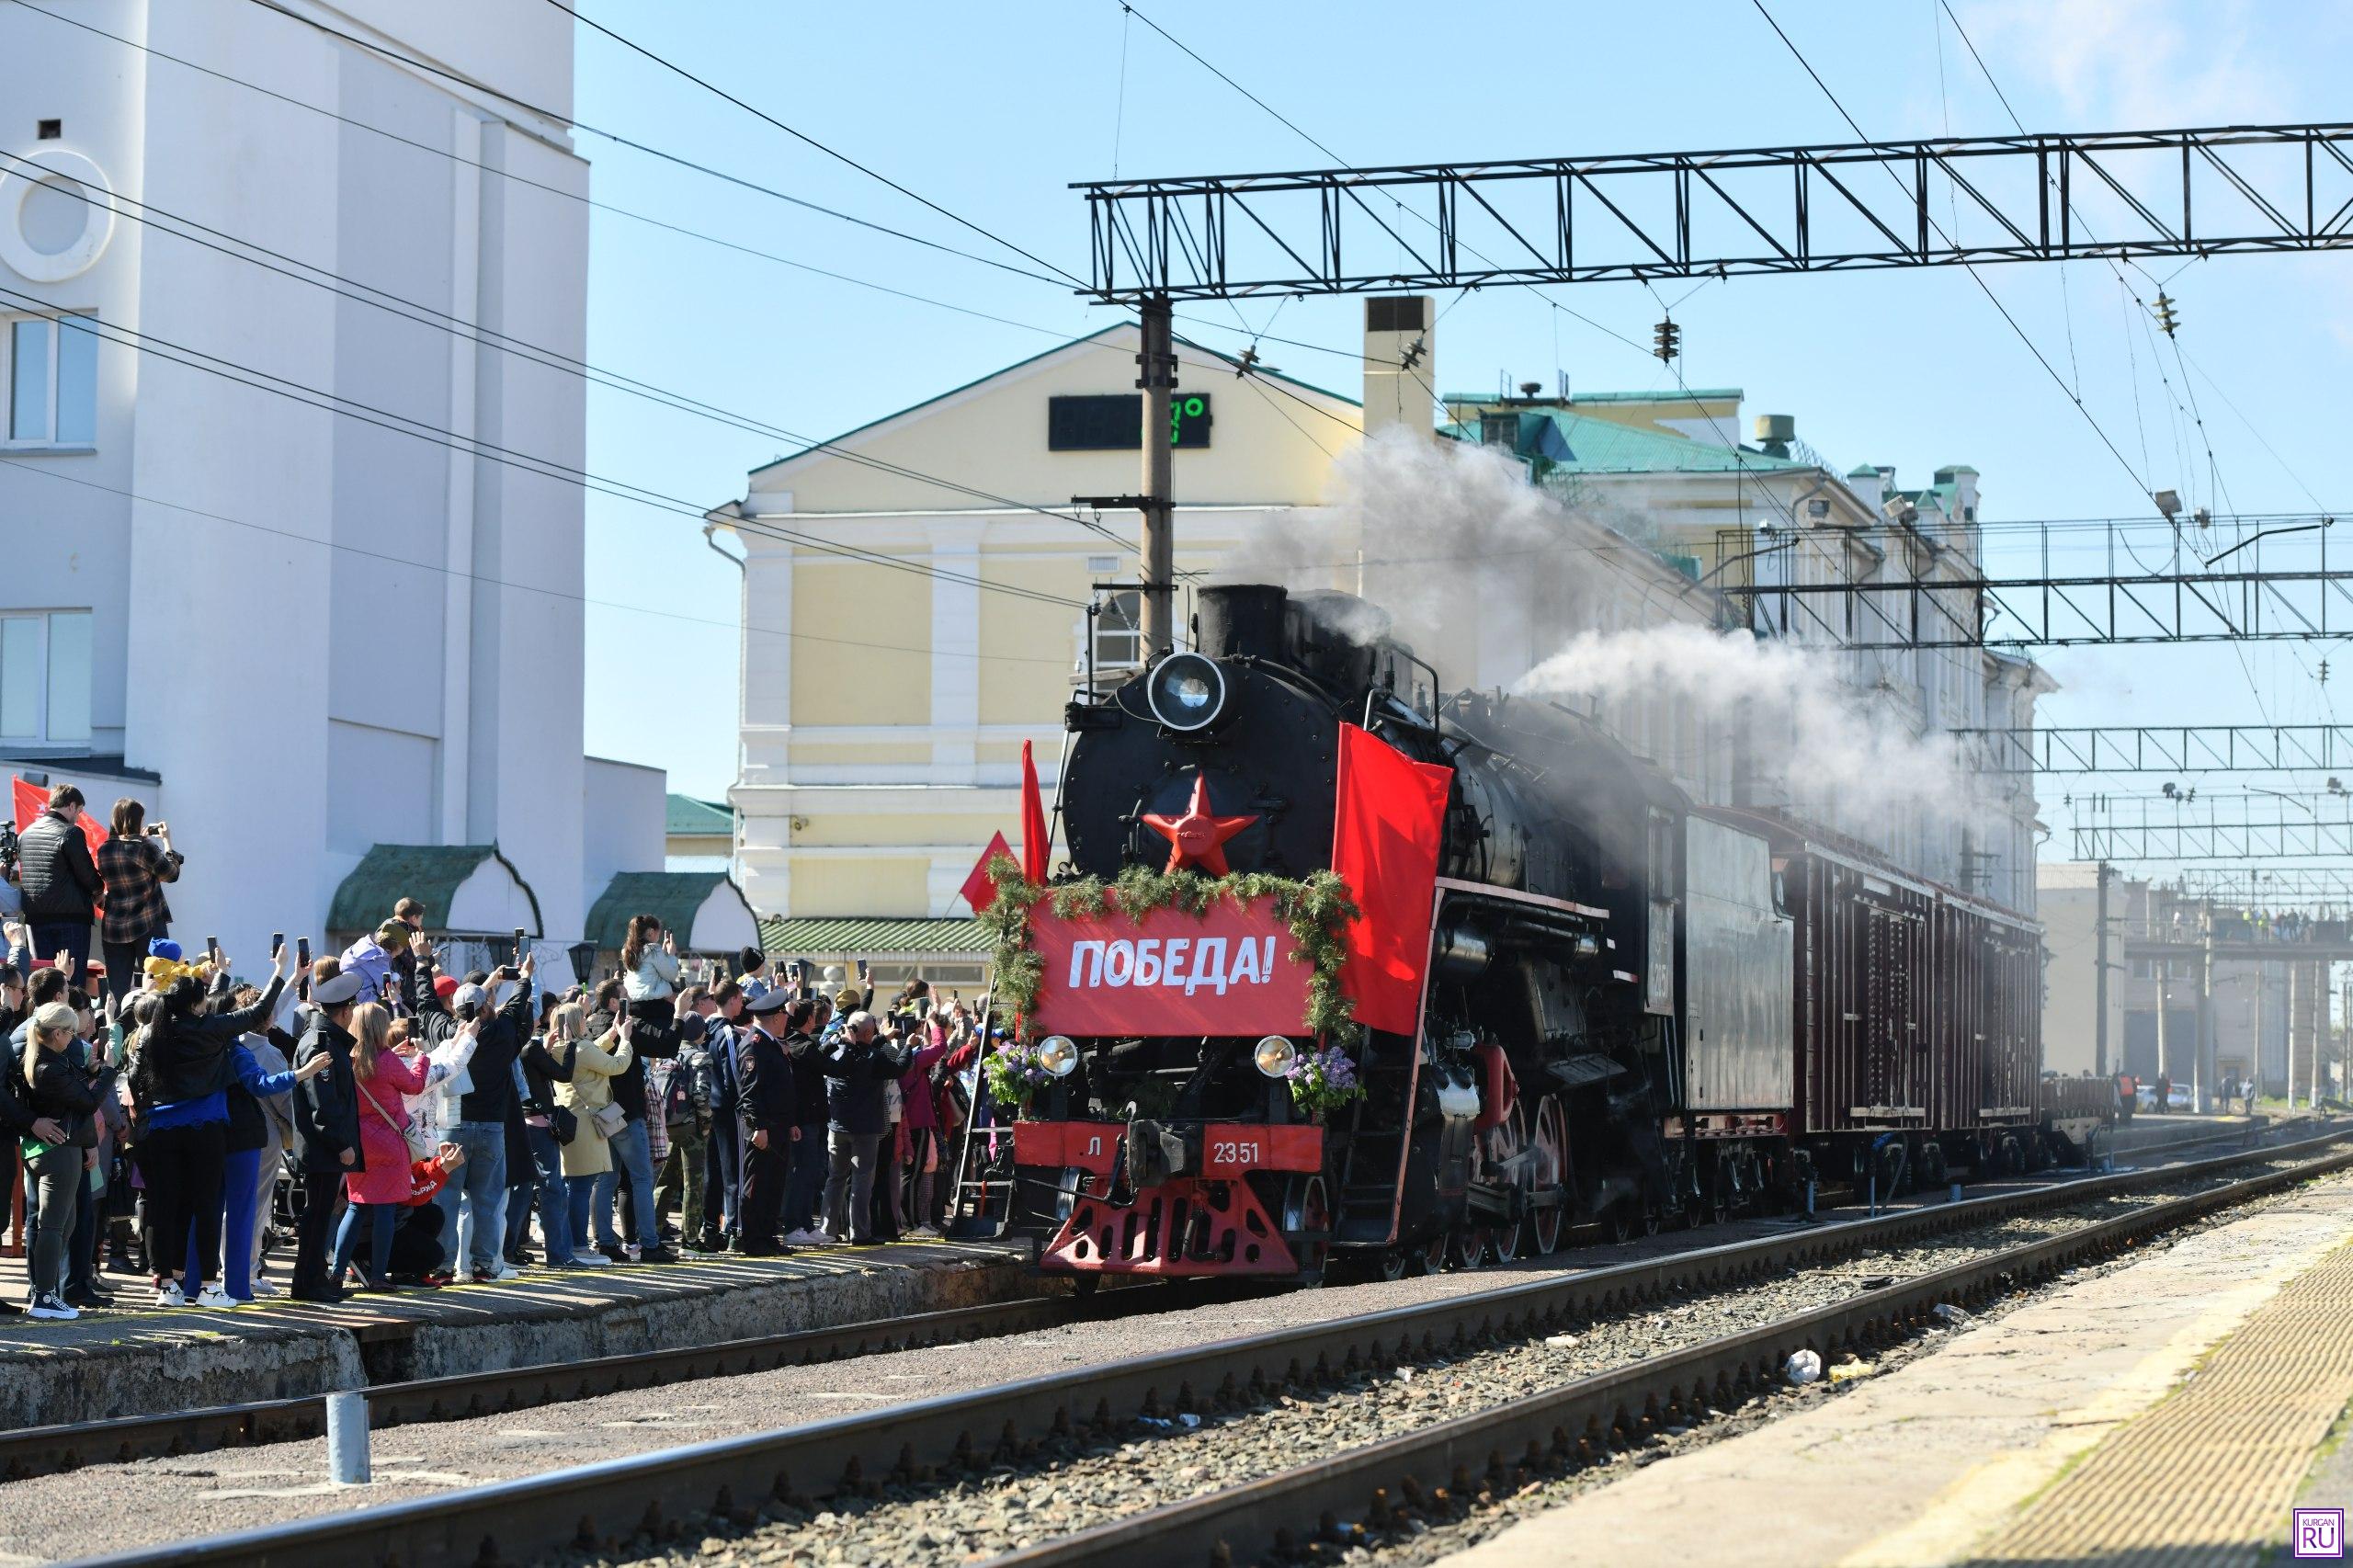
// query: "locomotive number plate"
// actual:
[[1228, 1150]]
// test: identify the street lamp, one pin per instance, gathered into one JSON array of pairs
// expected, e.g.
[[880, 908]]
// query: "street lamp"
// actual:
[[583, 958]]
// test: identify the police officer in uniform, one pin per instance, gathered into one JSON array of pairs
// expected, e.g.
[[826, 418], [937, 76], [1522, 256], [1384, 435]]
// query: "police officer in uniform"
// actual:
[[766, 1122]]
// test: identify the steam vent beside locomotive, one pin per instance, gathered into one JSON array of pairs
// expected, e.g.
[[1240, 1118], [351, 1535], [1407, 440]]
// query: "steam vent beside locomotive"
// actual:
[[1582, 1002]]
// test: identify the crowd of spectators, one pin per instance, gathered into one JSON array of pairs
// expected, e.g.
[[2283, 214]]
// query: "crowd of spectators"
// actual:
[[407, 1125]]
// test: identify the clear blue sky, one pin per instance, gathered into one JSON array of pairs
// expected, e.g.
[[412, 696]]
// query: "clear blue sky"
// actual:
[[991, 110]]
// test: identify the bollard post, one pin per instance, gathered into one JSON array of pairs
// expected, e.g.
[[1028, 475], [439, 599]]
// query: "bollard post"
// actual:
[[1954, 1195], [348, 1439]]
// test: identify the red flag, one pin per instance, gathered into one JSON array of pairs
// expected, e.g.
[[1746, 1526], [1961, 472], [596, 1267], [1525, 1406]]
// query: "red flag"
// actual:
[[1385, 838], [980, 888], [30, 800], [1037, 844]]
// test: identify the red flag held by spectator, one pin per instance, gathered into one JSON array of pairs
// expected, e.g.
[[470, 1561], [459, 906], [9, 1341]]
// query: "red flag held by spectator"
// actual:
[[980, 888], [1036, 842], [1385, 837], [30, 800]]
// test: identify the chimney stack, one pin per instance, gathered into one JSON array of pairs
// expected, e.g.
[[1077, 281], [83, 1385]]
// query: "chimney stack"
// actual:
[[1400, 374]]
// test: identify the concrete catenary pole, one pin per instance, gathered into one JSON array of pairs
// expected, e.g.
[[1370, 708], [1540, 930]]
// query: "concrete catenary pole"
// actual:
[[1156, 366], [2201, 1054], [2100, 979]]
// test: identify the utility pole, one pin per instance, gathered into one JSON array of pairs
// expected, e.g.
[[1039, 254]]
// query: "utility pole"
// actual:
[[1156, 367], [2201, 1064], [2099, 982]]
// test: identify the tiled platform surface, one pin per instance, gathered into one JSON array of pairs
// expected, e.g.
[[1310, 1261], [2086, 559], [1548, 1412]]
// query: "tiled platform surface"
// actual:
[[2228, 1353]]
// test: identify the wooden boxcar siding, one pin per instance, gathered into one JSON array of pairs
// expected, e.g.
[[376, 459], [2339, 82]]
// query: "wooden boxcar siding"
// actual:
[[1864, 963]]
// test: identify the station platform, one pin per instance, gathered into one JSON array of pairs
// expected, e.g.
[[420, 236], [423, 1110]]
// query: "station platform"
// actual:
[[136, 1360], [2171, 1412]]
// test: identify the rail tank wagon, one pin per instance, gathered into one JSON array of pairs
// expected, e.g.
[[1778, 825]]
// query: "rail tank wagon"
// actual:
[[1631, 1010]]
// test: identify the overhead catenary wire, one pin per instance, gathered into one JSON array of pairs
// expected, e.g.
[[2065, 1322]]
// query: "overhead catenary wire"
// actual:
[[682, 231], [572, 11], [2057, 378], [169, 351], [432, 317], [747, 626]]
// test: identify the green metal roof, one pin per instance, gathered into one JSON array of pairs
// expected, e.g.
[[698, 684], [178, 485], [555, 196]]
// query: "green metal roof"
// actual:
[[672, 896], [1679, 394], [860, 937], [430, 872], [1602, 446], [705, 818], [1018, 364]]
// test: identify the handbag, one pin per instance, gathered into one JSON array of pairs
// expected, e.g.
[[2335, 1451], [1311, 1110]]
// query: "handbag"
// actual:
[[410, 1135], [562, 1123], [609, 1121]]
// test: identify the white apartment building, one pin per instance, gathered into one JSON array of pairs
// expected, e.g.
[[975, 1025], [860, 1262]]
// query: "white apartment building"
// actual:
[[302, 635]]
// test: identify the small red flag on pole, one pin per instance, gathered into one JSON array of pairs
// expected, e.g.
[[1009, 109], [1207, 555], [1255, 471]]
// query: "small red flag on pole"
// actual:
[[1386, 834], [1037, 843], [980, 888]]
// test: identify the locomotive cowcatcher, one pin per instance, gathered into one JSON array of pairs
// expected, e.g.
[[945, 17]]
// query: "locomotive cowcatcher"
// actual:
[[1607, 1006]]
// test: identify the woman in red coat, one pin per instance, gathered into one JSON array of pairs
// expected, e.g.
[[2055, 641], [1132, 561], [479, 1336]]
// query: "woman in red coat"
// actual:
[[381, 1188]]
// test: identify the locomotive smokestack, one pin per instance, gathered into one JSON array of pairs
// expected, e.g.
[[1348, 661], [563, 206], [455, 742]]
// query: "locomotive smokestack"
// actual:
[[1242, 619]]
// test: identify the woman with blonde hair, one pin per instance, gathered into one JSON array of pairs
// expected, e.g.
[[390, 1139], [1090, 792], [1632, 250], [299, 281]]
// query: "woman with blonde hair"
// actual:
[[588, 1097], [383, 1077], [55, 1173]]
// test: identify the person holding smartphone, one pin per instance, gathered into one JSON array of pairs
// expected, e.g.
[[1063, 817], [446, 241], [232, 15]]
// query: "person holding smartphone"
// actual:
[[134, 865]]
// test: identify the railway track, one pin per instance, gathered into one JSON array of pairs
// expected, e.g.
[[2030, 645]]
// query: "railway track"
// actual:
[[655, 1497], [50, 1451]]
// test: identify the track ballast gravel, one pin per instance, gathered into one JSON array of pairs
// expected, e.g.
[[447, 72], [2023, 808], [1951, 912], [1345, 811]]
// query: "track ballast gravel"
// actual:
[[1071, 1484]]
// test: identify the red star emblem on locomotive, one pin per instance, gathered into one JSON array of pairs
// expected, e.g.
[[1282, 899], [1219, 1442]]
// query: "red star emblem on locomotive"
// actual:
[[1197, 838]]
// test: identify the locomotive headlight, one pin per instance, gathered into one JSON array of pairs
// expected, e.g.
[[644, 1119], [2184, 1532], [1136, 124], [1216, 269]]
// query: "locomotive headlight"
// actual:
[[1187, 692], [1275, 1055], [1057, 1055]]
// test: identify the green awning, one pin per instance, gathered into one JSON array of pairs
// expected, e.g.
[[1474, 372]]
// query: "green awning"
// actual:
[[860, 938], [431, 873], [676, 898]]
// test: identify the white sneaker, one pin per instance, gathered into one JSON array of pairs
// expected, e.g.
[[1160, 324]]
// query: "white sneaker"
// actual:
[[213, 1296], [631, 1251], [48, 1306], [809, 1238], [503, 1272], [266, 1288], [923, 1233], [589, 1258], [167, 1294]]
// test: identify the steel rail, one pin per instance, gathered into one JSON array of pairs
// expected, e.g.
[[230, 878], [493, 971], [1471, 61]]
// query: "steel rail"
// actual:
[[1339, 1498], [674, 1491], [48, 1450]]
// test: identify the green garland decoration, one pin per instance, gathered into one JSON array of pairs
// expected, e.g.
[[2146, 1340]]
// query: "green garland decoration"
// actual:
[[1317, 910]]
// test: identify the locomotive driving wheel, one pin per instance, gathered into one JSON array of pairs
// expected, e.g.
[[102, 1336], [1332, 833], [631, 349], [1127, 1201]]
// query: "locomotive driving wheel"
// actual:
[[1541, 1233], [1306, 1209], [1497, 1243]]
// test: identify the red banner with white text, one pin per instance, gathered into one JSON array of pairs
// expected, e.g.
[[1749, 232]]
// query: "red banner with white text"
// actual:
[[1229, 972]]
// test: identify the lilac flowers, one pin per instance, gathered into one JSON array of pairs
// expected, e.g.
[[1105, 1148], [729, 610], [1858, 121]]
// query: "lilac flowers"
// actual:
[[1324, 1080]]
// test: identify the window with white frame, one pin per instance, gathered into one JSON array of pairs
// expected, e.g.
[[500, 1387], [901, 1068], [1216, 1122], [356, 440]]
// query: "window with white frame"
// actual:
[[1118, 631], [49, 380], [45, 676]]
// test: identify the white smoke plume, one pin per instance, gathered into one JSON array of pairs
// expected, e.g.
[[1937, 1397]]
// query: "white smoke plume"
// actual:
[[1831, 747], [1498, 582]]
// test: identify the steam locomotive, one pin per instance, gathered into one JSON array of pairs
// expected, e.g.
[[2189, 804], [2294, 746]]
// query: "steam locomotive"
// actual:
[[1634, 1010]]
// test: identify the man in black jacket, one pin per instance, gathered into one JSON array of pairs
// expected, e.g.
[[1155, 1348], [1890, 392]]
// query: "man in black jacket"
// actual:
[[504, 1010], [326, 1128], [59, 880], [764, 1109]]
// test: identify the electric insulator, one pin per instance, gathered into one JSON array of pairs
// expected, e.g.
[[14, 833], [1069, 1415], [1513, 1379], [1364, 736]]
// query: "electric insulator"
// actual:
[[2165, 317], [1667, 340]]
